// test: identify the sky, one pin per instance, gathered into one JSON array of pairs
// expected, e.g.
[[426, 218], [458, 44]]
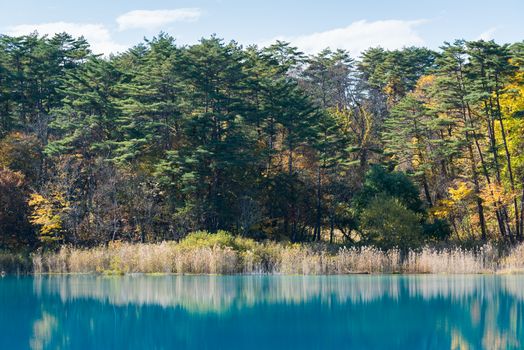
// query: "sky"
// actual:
[[113, 26]]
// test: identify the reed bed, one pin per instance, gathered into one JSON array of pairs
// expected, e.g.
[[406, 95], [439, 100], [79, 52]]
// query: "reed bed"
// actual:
[[203, 253]]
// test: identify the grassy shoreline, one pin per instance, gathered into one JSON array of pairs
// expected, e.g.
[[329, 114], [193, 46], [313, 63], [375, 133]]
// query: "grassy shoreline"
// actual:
[[203, 253]]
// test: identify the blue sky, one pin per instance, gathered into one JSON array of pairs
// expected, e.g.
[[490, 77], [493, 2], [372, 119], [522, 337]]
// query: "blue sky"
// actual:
[[114, 25]]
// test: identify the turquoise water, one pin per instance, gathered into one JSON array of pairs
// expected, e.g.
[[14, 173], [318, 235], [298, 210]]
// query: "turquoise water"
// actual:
[[262, 312]]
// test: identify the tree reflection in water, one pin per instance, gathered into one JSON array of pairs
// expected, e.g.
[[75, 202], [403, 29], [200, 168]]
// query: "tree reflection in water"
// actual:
[[136, 312]]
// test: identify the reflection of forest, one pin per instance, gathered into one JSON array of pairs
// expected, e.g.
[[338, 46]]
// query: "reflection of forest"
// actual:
[[220, 293], [459, 312]]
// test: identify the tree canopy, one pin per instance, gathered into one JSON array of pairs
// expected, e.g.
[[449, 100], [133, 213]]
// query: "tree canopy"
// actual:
[[394, 148]]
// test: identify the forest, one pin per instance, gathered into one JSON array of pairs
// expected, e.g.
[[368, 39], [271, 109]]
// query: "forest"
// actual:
[[392, 149]]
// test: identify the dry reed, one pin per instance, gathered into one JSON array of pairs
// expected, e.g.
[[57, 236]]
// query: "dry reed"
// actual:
[[229, 255]]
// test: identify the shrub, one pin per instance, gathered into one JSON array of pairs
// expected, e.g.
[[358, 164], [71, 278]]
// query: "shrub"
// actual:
[[222, 239], [438, 230], [387, 223], [380, 182]]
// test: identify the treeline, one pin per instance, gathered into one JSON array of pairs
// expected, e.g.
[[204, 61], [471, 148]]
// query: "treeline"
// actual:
[[397, 148]]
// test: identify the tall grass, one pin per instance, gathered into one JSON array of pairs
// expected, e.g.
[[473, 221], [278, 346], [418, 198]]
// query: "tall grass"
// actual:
[[221, 253]]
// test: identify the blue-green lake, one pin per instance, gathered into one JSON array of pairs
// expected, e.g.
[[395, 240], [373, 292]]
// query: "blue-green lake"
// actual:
[[262, 312]]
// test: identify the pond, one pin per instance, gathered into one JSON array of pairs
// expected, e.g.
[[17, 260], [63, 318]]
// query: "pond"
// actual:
[[262, 312]]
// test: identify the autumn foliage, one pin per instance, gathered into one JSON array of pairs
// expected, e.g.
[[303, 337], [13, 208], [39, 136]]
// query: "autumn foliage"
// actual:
[[395, 149], [14, 226]]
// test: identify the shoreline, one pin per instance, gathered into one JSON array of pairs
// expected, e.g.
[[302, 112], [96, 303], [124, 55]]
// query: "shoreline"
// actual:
[[167, 274], [246, 257]]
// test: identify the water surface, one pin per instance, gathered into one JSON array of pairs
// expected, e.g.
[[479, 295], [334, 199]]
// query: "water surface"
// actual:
[[262, 312]]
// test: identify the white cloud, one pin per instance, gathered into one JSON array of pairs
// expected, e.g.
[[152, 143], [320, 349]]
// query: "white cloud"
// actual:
[[154, 19], [98, 36], [488, 34], [360, 35]]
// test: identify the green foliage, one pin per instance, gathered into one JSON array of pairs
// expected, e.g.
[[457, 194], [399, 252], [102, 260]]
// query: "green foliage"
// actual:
[[379, 181], [162, 140], [395, 73], [387, 223], [437, 230], [222, 239]]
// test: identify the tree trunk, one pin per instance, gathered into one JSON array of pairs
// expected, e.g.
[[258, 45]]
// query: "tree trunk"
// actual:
[[331, 228], [518, 232], [319, 204], [485, 172], [480, 208], [426, 190], [522, 212]]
